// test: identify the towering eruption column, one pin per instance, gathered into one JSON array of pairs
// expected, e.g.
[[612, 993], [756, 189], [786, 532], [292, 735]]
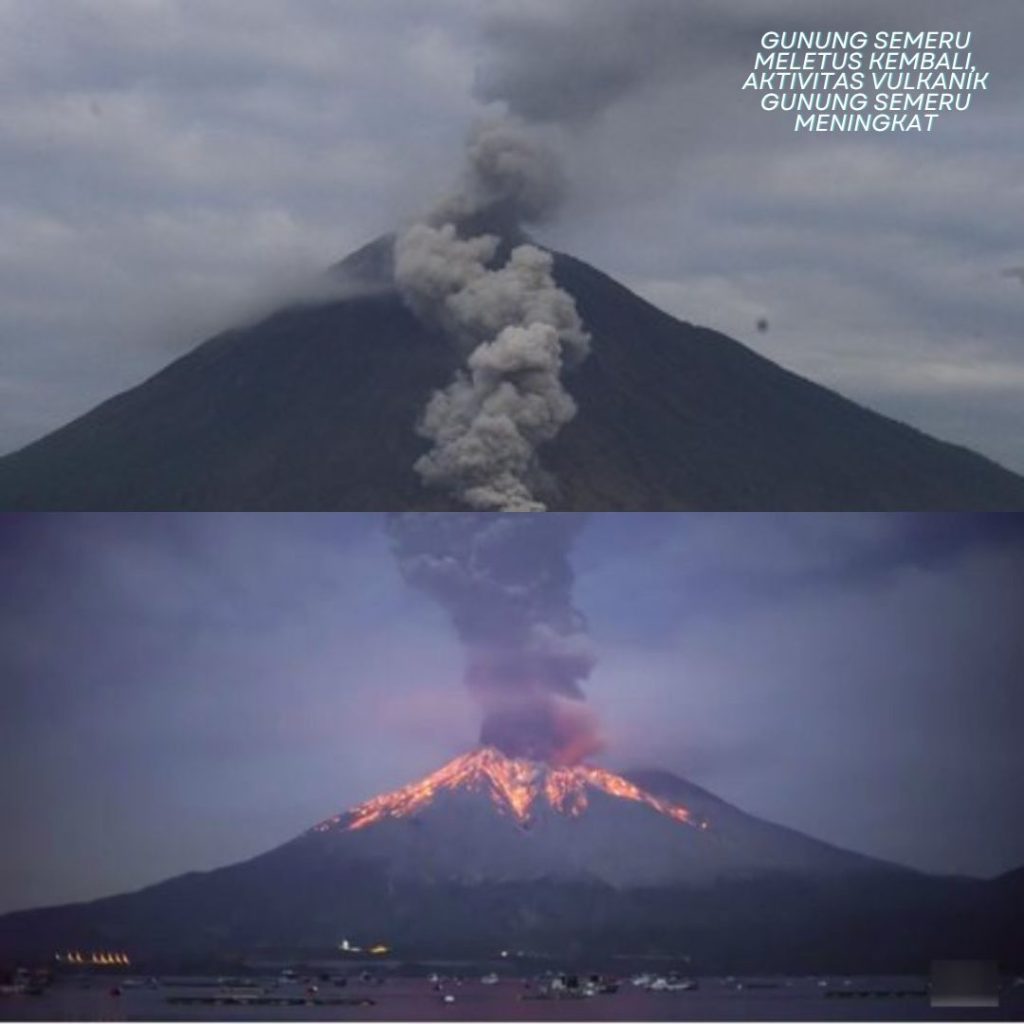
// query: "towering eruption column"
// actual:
[[506, 581], [517, 328]]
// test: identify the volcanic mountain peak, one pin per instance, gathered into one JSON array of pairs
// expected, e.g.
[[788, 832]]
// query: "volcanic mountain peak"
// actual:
[[517, 787], [273, 416], [492, 850]]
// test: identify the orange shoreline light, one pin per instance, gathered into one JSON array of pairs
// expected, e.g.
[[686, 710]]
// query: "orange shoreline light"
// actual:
[[100, 959]]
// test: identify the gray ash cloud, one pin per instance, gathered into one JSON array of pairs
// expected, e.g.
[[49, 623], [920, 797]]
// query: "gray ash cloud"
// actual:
[[519, 330], [506, 581]]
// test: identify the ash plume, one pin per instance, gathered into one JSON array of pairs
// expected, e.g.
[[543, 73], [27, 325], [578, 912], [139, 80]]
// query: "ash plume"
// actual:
[[510, 178], [506, 581], [572, 64], [519, 330]]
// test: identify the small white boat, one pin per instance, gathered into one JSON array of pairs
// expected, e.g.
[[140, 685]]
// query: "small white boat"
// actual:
[[672, 985]]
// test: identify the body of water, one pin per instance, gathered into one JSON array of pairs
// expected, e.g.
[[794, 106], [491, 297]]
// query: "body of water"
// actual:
[[397, 998]]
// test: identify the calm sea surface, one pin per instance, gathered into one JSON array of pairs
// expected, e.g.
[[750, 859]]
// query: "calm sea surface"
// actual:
[[415, 999]]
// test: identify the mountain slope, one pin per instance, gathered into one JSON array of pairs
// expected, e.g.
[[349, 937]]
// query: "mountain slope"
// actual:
[[315, 409], [490, 853], [520, 821]]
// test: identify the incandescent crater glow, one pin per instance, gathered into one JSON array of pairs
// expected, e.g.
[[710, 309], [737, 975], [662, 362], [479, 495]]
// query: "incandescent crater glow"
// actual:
[[517, 787]]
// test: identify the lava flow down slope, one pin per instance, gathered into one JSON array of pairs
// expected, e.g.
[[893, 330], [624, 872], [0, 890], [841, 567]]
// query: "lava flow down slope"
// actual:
[[492, 852], [519, 820]]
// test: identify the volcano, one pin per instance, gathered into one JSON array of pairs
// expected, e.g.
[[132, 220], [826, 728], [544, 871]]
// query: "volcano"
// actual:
[[316, 408], [492, 852], [519, 819]]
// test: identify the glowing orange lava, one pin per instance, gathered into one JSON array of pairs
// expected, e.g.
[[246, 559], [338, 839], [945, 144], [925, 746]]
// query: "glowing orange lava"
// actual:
[[516, 787]]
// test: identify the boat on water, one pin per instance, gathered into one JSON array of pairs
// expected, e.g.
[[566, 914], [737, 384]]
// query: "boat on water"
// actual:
[[673, 985]]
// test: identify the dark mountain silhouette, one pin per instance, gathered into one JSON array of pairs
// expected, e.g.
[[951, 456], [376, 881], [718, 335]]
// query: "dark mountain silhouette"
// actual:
[[490, 854], [316, 406]]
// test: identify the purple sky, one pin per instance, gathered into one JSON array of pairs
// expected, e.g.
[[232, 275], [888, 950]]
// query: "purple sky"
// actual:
[[182, 691]]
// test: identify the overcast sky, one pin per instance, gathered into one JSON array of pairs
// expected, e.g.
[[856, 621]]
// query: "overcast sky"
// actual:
[[169, 167], [183, 691]]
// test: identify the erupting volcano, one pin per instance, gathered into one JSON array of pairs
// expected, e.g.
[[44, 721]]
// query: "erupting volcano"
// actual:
[[524, 842], [494, 852], [493, 374], [489, 817], [518, 788]]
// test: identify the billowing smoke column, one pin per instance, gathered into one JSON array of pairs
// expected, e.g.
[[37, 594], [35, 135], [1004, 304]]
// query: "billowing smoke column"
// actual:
[[506, 581], [519, 330]]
